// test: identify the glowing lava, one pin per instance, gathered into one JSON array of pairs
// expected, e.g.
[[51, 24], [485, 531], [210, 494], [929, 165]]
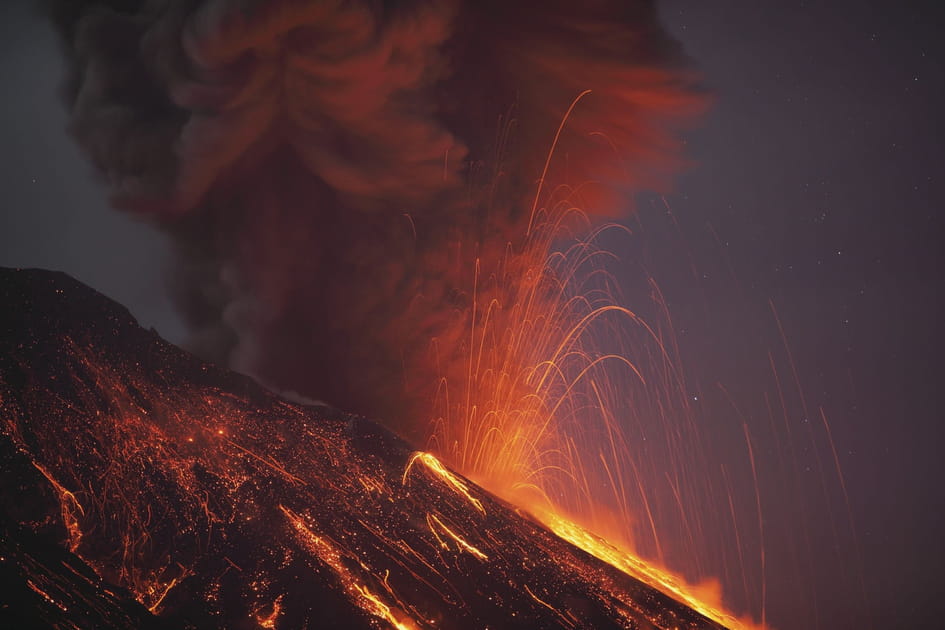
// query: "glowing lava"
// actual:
[[557, 376], [216, 504]]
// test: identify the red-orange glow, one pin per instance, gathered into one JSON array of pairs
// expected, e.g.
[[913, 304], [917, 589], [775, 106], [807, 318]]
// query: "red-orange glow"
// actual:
[[269, 620], [332, 556], [569, 621], [374, 605], [553, 361], [704, 599], [156, 592], [71, 508], [435, 523], [441, 472], [36, 589], [294, 500]]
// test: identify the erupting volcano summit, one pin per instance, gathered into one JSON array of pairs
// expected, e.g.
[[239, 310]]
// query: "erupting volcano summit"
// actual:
[[145, 488]]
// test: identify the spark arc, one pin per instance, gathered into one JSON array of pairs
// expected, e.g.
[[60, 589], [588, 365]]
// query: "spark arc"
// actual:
[[210, 501]]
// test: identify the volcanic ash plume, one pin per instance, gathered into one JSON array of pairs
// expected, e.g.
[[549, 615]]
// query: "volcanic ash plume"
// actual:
[[338, 176]]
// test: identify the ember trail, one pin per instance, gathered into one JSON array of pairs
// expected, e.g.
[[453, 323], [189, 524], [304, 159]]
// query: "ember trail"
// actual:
[[550, 397], [214, 502], [350, 192]]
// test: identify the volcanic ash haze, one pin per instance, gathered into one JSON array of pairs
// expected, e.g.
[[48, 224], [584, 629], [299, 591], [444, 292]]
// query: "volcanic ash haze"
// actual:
[[334, 173]]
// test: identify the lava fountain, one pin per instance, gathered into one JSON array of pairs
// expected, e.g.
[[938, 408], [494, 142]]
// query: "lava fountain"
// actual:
[[142, 487], [557, 378], [350, 226]]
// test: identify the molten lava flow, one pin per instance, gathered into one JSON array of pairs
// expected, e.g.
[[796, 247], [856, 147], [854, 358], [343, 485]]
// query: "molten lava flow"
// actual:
[[331, 555], [71, 509], [319, 166], [214, 503], [551, 368], [646, 572], [441, 472]]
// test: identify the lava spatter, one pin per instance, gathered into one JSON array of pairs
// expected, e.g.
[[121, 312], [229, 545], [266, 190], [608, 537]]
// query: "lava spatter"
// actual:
[[215, 503]]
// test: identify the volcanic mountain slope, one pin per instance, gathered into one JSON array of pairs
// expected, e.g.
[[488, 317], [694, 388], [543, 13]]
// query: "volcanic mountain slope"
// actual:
[[135, 478], [43, 585]]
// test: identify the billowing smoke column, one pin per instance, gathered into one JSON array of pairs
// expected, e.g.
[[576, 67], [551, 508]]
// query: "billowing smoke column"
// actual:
[[331, 171]]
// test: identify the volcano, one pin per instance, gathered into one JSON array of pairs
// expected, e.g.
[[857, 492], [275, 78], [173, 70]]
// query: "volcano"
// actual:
[[144, 488]]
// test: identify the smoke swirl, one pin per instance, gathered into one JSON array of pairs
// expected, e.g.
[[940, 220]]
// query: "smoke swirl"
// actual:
[[331, 171]]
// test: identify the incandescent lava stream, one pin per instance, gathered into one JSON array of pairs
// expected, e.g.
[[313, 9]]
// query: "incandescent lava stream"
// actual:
[[213, 503]]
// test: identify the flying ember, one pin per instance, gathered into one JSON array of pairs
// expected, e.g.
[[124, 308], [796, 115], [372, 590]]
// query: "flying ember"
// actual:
[[210, 501]]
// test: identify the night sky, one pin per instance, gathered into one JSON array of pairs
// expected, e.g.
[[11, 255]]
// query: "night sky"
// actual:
[[820, 172], [814, 198]]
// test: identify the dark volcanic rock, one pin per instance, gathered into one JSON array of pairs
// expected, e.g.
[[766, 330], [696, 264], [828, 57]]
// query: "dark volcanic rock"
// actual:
[[45, 586], [136, 477]]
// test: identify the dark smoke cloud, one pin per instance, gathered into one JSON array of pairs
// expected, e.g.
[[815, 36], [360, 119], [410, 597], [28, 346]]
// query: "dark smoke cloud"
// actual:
[[331, 170]]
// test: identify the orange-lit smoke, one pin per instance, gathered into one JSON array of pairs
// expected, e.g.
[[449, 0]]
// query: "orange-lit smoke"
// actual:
[[335, 176], [369, 199]]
